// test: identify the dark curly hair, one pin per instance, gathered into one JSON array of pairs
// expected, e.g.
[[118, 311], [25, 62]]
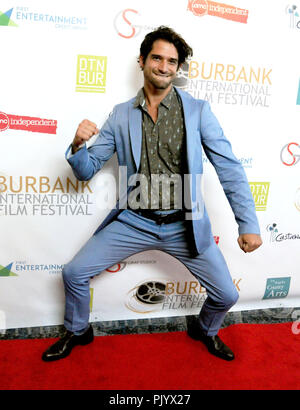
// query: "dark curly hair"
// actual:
[[166, 33]]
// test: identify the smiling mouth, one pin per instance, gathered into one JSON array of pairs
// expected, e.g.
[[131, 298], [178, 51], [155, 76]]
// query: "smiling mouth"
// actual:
[[162, 75]]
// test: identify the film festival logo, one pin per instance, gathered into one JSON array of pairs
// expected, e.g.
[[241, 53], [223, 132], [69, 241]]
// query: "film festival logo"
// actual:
[[290, 154], [24, 123], [25, 15], [225, 83], [202, 8], [260, 193], [158, 295], [91, 74], [44, 196]]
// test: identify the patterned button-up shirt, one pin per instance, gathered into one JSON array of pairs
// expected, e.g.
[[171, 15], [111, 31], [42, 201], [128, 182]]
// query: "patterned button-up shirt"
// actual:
[[162, 156]]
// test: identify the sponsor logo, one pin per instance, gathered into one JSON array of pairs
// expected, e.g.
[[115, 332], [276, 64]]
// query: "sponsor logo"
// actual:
[[124, 26], [91, 74], [5, 19], [28, 16], [50, 268], [260, 192], [290, 154], [118, 267], [23, 123], [276, 236], [6, 270], [211, 8], [44, 196], [4, 121], [226, 83], [292, 11], [277, 288]]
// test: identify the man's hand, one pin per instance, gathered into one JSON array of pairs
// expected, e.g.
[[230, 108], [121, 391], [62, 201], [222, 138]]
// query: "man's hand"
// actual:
[[248, 242], [85, 131]]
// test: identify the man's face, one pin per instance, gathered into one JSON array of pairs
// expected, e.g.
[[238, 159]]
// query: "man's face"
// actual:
[[161, 65]]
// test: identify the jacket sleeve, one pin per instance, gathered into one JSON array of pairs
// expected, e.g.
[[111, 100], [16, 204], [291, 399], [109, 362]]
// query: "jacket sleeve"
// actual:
[[86, 162], [229, 170]]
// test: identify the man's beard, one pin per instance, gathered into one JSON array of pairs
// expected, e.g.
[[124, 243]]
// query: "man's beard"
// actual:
[[160, 84]]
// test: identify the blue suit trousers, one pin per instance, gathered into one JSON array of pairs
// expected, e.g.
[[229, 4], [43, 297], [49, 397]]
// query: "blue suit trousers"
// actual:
[[131, 233]]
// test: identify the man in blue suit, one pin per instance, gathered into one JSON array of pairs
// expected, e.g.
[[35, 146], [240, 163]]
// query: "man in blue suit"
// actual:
[[159, 134]]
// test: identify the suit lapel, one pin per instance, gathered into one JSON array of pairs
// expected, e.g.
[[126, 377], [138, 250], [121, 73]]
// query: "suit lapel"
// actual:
[[191, 125], [135, 132]]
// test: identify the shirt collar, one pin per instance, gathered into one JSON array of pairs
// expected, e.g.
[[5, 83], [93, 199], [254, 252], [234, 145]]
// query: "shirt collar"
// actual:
[[166, 102], [140, 99]]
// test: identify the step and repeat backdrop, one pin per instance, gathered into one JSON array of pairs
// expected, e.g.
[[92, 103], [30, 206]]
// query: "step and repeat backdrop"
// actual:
[[62, 62]]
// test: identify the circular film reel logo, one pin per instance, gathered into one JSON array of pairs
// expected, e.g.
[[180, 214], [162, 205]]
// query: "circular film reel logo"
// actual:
[[146, 297], [182, 76], [151, 292]]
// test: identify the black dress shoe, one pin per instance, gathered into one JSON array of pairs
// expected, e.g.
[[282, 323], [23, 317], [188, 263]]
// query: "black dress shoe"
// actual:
[[63, 347], [213, 343]]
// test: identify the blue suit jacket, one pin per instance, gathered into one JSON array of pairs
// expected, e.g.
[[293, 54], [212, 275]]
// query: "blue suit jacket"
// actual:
[[122, 133]]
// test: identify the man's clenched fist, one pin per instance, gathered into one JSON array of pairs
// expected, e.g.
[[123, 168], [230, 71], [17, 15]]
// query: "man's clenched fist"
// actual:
[[248, 242], [85, 131]]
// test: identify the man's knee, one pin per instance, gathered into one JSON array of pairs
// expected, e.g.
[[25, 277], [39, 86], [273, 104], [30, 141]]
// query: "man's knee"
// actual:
[[69, 272], [224, 299], [230, 297]]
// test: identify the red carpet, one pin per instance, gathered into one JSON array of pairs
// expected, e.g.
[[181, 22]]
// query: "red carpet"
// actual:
[[267, 357]]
